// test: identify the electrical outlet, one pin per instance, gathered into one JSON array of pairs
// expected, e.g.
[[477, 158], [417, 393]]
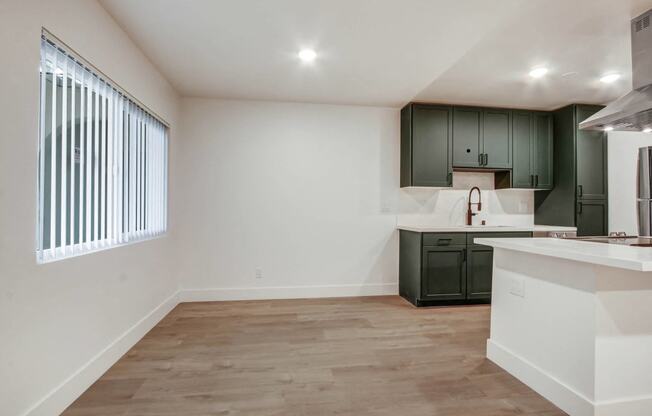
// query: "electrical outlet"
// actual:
[[259, 273], [517, 287]]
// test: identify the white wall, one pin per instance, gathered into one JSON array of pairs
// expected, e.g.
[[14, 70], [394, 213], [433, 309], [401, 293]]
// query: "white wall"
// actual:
[[55, 318], [623, 157], [307, 193]]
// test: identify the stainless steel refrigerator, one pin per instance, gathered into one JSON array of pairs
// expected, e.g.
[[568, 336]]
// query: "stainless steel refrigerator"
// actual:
[[644, 194]]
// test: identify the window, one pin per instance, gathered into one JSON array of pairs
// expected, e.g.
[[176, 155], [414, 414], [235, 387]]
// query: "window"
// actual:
[[102, 162]]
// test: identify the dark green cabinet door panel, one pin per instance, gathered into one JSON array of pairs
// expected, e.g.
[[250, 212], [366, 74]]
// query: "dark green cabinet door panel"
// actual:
[[444, 273], [591, 217], [431, 139], [591, 159], [542, 155], [467, 137], [406, 145], [522, 172], [479, 272], [496, 139], [409, 265]]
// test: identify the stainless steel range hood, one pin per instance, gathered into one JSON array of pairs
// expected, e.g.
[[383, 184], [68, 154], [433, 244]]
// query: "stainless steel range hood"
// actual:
[[632, 112]]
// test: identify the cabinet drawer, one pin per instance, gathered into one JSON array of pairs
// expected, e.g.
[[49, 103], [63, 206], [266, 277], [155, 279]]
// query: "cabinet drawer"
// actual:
[[440, 239], [471, 236]]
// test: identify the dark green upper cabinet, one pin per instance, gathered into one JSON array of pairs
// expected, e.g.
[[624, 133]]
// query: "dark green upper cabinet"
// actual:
[[467, 137], [482, 138], [522, 137], [591, 158], [533, 141], [496, 139], [542, 151], [435, 139], [426, 145]]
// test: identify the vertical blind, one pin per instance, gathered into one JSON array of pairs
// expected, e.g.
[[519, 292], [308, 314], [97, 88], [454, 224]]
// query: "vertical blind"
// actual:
[[102, 168]]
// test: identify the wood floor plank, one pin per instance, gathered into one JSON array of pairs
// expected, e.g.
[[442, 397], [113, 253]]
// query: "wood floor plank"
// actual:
[[348, 356]]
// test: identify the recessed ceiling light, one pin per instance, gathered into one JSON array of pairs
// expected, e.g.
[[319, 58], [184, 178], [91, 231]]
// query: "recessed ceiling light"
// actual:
[[647, 130], [608, 128], [307, 55], [609, 78], [538, 72]]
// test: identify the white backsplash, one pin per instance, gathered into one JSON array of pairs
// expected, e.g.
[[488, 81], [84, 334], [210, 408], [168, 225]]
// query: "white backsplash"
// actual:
[[445, 207]]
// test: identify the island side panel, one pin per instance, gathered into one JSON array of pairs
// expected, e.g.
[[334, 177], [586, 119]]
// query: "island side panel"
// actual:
[[543, 326], [624, 342]]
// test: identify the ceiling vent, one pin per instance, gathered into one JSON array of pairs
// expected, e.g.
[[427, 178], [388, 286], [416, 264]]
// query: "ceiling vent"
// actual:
[[643, 23]]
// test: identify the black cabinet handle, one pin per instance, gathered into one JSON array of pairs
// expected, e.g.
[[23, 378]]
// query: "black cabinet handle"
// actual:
[[486, 159], [480, 159], [532, 181], [579, 207], [444, 242], [580, 191], [449, 178], [536, 180], [463, 254]]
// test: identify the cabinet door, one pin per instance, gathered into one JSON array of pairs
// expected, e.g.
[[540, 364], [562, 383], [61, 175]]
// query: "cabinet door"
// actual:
[[443, 273], [591, 159], [496, 139], [479, 272], [479, 264], [591, 217], [431, 142], [542, 155], [467, 137], [522, 172]]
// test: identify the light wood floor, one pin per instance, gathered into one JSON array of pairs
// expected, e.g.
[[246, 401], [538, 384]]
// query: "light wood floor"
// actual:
[[354, 356]]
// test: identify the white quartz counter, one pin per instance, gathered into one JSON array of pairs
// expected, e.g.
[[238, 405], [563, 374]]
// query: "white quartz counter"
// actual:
[[612, 255], [484, 228]]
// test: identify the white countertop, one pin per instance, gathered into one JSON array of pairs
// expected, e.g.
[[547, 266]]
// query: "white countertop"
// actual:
[[484, 228], [612, 255]]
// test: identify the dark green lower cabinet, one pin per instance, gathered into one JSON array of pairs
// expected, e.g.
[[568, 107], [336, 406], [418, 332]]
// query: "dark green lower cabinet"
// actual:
[[439, 269], [480, 266], [444, 273], [591, 217]]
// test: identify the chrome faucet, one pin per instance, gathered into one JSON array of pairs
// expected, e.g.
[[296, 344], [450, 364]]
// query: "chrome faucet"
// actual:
[[469, 211]]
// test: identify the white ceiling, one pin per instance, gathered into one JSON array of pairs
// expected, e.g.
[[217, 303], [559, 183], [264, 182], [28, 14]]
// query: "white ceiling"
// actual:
[[387, 52]]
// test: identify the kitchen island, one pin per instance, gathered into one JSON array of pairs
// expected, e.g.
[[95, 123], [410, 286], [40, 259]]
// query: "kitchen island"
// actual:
[[573, 320]]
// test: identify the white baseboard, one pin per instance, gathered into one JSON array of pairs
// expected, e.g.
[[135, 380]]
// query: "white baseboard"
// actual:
[[287, 292], [633, 406], [563, 396], [538, 380], [67, 392]]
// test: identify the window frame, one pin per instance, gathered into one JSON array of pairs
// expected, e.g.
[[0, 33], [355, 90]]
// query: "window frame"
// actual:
[[129, 106]]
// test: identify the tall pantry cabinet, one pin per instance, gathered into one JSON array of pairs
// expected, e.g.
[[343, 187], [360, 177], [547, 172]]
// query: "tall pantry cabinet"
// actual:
[[579, 196]]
